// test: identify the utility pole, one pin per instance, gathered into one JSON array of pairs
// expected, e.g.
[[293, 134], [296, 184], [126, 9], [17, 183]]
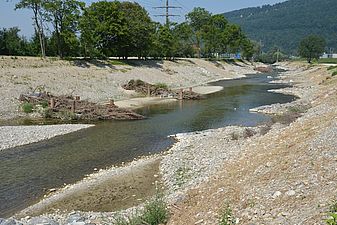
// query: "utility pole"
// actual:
[[167, 14]]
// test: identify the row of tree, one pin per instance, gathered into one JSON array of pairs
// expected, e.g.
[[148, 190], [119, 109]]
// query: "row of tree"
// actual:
[[121, 29]]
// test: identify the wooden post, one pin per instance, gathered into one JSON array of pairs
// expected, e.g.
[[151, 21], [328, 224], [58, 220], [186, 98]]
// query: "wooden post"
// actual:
[[181, 91], [73, 106], [191, 90], [148, 91], [52, 103]]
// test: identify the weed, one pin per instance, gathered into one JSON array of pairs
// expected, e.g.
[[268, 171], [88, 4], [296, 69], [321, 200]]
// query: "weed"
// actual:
[[226, 216], [332, 220], [235, 136], [248, 133], [27, 107], [181, 176], [44, 104], [155, 212]]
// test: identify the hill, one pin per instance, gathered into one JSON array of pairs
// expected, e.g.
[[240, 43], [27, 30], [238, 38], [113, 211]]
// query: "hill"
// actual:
[[285, 24]]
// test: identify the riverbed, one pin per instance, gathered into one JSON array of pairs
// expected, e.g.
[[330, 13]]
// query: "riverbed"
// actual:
[[27, 172]]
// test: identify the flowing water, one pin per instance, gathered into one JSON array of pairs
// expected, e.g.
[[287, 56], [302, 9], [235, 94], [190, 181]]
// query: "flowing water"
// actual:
[[27, 172]]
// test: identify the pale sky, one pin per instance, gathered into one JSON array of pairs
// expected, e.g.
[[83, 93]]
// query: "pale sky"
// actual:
[[22, 18]]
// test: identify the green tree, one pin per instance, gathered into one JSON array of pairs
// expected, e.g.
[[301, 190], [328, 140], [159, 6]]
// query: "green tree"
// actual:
[[102, 25], [197, 19], [183, 36], [64, 16], [312, 47], [167, 42], [37, 7]]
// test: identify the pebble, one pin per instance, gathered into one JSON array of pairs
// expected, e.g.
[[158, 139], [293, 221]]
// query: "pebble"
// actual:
[[277, 194]]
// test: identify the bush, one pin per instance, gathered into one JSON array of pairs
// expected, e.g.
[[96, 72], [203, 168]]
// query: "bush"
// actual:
[[334, 73], [161, 85], [27, 107]]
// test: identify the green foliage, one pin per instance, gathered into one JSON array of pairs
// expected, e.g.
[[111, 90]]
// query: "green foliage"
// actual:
[[328, 61], [332, 220], [226, 216], [286, 24], [334, 73], [155, 211], [161, 85], [27, 107], [332, 67], [312, 47]]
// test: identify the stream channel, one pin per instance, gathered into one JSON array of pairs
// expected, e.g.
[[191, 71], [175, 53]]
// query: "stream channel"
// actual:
[[27, 172]]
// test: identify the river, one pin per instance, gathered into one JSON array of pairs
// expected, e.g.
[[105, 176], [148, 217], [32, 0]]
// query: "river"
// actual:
[[27, 172]]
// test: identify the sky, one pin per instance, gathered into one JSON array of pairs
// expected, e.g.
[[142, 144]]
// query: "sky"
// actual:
[[22, 18]]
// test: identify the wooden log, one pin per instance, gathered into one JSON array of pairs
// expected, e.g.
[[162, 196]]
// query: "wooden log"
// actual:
[[52, 103], [148, 91], [73, 106], [181, 91]]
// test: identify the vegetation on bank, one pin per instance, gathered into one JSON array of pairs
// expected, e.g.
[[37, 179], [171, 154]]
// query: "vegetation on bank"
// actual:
[[121, 29]]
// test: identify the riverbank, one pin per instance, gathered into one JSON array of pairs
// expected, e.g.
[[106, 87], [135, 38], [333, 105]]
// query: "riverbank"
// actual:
[[13, 136], [98, 81], [201, 170]]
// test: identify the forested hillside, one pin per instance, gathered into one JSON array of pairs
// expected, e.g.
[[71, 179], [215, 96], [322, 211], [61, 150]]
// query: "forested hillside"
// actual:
[[285, 24]]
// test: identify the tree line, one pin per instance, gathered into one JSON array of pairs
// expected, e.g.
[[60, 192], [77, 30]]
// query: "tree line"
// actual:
[[121, 29]]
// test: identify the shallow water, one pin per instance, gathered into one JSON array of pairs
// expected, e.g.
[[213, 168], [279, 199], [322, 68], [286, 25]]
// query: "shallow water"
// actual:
[[27, 172]]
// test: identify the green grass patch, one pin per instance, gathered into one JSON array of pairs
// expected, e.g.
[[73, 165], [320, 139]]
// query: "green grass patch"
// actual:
[[334, 73], [332, 67], [27, 107], [328, 61]]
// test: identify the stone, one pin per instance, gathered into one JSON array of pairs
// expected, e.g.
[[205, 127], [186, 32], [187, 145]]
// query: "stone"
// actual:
[[8, 222], [290, 193], [277, 194], [75, 217], [42, 220]]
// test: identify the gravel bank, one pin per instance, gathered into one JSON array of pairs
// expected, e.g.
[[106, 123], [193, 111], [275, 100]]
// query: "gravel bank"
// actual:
[[13, 136]]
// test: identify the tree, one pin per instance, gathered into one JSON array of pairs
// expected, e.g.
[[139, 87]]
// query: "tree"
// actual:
[[64, 16], [38, 17], [197, 19], [135, 39], [183, 35], [312, 47]]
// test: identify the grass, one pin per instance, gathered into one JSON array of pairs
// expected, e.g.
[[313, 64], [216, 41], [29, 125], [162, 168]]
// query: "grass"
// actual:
[[332, 220], [328, 61], [226, 216], [332, 67], [155, 212], [181, 175], [27, 107], [334, 73], [116, 62]]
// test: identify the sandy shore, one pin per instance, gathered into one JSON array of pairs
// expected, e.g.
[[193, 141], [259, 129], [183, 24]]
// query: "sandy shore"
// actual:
[[99, 81], [13, 136]]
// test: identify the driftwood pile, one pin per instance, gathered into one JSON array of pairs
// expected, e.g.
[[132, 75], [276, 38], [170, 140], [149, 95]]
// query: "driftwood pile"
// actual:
[[264, 69], [58, 106], [160, 90]]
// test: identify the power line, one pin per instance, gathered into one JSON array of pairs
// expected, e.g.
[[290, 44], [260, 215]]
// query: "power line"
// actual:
[[167, 7]]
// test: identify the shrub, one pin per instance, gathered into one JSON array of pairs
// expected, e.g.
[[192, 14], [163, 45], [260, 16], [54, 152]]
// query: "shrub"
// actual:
[[226, 216], [27, 107], [334, 73], [161, 85]]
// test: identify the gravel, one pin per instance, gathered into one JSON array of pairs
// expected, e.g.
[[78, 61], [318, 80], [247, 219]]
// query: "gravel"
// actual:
[[13, 136]]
